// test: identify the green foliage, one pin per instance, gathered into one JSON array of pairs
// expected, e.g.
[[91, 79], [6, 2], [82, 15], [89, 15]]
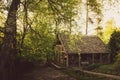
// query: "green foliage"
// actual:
[[83, 76], [39, 46], [114, 42], [42, 16], [95, 6], [117, 63], [93, 66], [59, 10], [107, 68], [74, 40], [109, 29]]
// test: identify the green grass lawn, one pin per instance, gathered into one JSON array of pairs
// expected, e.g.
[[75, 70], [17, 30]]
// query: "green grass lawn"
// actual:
[[83, 76], [100, 68], [108, 69]]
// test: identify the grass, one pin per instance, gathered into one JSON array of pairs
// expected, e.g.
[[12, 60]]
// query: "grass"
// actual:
[[83, 76], [108, 69], [93, 66]]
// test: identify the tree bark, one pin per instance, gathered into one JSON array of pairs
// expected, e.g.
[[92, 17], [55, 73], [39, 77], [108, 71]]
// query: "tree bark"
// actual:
[[86, 18], [8, 49], [25, 24]]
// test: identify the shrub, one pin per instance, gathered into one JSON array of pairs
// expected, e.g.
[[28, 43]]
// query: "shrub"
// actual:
[[117, 63], [93, 66], [114, 43]]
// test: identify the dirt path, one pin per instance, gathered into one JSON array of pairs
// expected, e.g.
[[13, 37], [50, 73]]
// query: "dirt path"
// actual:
[[46, 73]]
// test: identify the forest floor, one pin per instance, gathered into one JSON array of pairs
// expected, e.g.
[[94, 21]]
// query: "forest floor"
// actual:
[[45, 73], [42, 72]]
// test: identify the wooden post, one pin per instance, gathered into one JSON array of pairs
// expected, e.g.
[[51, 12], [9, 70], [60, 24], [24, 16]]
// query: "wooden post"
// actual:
[[93, 59], [59, 57], [79, 60], [100, 57], [67, 62], [108, 58], [54, 54]]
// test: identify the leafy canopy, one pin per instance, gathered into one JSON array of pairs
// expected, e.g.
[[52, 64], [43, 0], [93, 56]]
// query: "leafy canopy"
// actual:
[[42, 17]]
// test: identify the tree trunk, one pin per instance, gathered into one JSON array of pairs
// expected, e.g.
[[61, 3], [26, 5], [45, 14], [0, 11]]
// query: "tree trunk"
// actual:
[[8, 49], [86, 18], [25, 24]]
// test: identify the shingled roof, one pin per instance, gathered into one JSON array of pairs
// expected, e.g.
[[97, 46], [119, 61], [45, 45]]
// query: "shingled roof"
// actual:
[[87, 44]]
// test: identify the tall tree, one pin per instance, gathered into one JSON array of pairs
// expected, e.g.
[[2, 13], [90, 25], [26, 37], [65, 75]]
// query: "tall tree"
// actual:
[[114, 45], [92, 6], [8, 49], [108, 30], [49, 13]]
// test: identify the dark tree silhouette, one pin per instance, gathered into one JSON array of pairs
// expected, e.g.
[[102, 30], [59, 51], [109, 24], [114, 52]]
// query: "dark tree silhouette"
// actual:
[[8, 49]]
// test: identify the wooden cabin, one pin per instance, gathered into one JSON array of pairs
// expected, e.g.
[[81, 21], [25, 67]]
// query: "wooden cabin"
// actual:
[[87, 50]]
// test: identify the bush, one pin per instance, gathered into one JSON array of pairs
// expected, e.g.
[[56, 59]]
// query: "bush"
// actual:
[[79, 75], [114, 42], [117, 63], [93, 66]]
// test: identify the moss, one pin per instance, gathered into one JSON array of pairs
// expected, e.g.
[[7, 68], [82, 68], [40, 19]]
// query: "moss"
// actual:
[[83, 76], [93, 66], [108, 69]]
